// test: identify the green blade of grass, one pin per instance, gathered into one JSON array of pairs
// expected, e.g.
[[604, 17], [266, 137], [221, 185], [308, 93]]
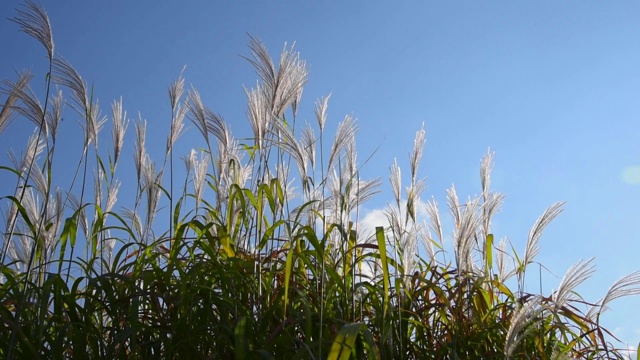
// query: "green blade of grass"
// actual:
[[287, 277], [488, 254], [240, 339], [382, 248], [344, 343]]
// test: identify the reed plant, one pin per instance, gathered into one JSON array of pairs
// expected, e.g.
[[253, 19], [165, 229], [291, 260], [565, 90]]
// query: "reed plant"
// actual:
[[260, 255]]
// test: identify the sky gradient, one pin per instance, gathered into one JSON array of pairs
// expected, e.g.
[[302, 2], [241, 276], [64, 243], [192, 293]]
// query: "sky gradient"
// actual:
[[551, 87]]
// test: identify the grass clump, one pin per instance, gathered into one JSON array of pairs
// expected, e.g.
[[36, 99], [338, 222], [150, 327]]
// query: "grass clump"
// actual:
[[259, 255]]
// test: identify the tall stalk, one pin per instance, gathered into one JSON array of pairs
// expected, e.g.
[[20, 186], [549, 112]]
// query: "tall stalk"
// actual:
[[34, 21]]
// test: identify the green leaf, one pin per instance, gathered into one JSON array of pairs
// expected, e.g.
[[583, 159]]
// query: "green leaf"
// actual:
[[176, 213], [268, 234], [10, 169], [344, 343], [225, 240], [385, 269], [95, 230], [488, 253], [69, 233], [287, 277], [240, 339], [22, 212]]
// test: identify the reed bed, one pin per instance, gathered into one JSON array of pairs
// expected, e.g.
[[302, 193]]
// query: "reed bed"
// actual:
[[259, 255]]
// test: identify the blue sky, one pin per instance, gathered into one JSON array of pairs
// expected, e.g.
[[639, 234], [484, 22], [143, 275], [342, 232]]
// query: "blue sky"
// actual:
[[551, 87]]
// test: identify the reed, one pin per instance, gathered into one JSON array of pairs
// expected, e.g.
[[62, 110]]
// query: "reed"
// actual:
[[260, 256]]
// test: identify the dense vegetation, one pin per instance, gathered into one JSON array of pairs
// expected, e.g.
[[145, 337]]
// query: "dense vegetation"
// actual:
[[260, 254]]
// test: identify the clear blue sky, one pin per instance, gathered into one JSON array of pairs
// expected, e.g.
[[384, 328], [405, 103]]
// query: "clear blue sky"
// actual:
[[552, 87]]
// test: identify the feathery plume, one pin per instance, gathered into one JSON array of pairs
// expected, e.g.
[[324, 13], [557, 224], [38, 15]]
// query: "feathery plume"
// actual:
[[291, 77], [532, 249], [283, 86], [35, 146], [98, 178], [258, 113], [53, 218], [486, 166], [345, 133], [31, 204], [416, 155], [308, 144], [321, 111], [427, 241], [394, 216], [413, 198], [140, 152], [261, 61], [65, 75], [197, 115], [54, 115], [218, 127], [504, 272], [151, 181], [34, 21], [199, 174], [13, 92], [108, 244], [347, 192], [176, 89], [188, 161], [112, 196], [463, 234], [205, 120], [19, 250], [39, 182], [31, 107], [577, 274], [82, 214], [177, 127], [289, 144], [351, 157], [335, 200], [434, 218], [282, 174], [365, 190], [493, 203], [523, 317], [134, 219], [395, 178], [409, 247], [120, 124], [95, 123], [626, 286], [229, 164], [454, 205], [296, 102]]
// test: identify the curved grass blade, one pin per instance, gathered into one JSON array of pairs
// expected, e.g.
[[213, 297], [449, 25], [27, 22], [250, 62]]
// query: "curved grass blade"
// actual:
[[385, 269], [344, 344]]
